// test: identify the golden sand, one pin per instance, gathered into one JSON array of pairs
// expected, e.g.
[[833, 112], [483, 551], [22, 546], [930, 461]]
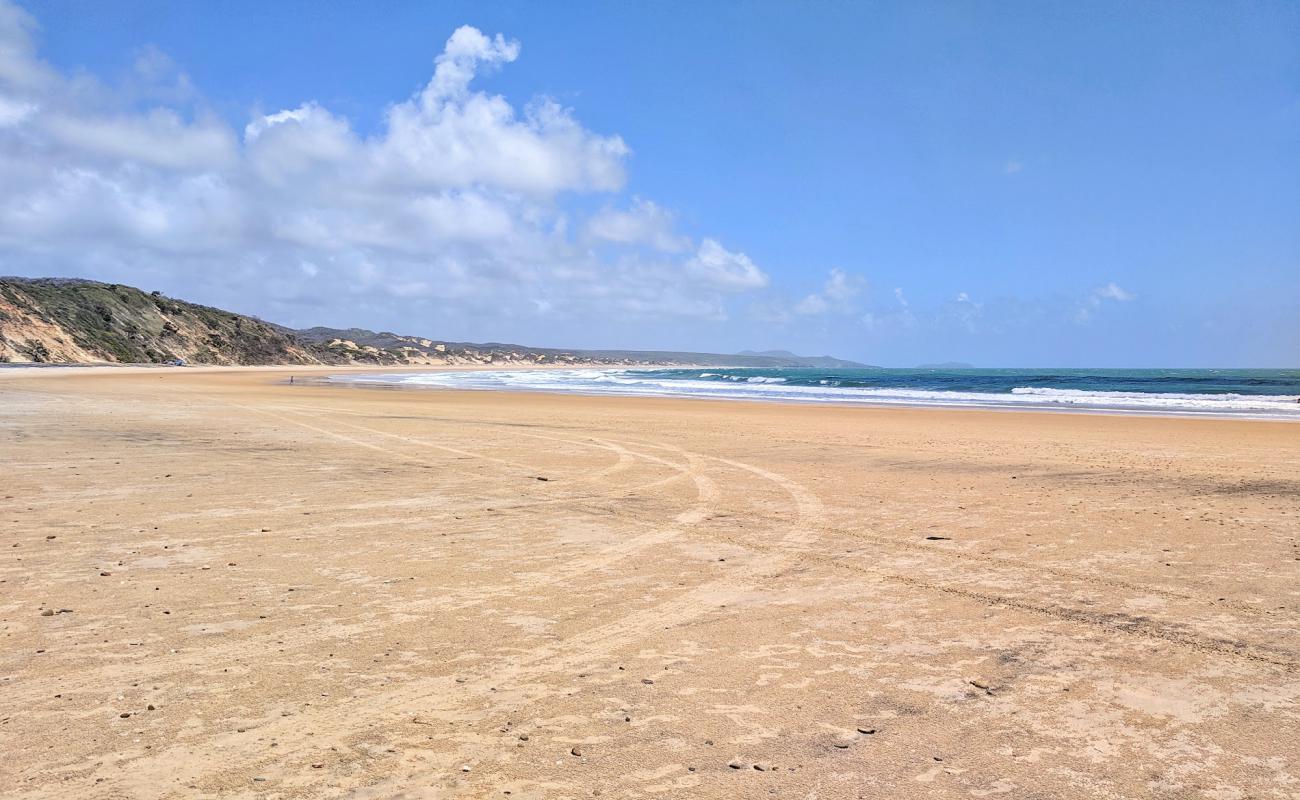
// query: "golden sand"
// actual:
[[217, 585]]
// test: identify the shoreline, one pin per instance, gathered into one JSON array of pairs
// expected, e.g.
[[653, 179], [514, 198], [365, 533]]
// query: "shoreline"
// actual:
[[320, 374], [846, 404]]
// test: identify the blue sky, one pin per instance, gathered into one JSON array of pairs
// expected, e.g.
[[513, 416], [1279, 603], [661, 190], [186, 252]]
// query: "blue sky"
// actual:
[[1005, 184]]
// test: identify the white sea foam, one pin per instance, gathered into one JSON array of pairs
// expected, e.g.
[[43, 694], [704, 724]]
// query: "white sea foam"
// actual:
[[641, 382]]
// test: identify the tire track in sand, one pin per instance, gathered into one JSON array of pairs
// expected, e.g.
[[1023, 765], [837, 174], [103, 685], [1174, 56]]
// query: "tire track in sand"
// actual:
[[426, 695]]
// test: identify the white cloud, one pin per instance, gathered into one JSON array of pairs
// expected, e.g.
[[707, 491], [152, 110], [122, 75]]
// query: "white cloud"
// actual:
[[839, 289], [645, 223], [812, 305], [19, 67], [459, 196], [12, 112], [1112, 291], [159, 138], [719, 267], [1091, 304], [1012, 166]]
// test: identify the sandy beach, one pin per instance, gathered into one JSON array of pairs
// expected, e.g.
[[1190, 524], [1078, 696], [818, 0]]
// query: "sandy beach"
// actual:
[[215, 584]]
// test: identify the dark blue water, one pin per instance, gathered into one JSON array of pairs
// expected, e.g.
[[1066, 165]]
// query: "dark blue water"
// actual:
[[1000, 381]]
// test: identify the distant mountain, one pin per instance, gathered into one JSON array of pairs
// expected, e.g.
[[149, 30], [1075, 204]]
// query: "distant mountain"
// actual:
[[67, 320], [788, 359], [947, 365]]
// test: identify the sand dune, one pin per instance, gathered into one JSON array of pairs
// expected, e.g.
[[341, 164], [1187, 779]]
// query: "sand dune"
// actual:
[[217, 585]]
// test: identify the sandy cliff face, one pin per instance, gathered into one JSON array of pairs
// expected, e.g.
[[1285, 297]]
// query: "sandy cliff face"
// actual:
[[51, 320], [60, 320], [25, 337]]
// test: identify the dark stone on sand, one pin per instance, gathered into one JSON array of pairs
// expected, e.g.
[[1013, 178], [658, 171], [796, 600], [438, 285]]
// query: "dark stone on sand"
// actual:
[[577, 751], [937, 538], [737, 764]]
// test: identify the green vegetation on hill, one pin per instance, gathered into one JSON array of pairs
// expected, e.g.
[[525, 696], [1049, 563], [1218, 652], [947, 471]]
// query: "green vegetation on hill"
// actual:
[[58, 320]]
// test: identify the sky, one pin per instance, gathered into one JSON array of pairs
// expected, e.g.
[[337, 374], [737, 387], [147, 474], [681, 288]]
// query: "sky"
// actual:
[[1004, 184]]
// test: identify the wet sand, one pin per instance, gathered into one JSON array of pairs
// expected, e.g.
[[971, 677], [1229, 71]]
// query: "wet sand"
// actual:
[[216, 585]]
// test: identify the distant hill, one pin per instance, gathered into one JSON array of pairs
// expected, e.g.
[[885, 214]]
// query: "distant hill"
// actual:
[[789, 359], [79, 321], [74, 321], [415, 346]]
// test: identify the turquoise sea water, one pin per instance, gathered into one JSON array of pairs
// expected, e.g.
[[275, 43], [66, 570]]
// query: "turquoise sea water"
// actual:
[[1270, 393]]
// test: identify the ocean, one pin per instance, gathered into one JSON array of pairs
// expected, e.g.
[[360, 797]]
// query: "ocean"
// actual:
[[1258, 393]]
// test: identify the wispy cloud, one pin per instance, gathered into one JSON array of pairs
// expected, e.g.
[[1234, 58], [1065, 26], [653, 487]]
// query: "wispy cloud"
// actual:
[[835, 295], [1098, 297]]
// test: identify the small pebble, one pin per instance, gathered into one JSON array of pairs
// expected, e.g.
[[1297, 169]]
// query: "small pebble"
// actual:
[[737, 764], [577, 751]]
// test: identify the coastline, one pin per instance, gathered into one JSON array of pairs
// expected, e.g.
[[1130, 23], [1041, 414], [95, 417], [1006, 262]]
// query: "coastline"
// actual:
[[321, 374]]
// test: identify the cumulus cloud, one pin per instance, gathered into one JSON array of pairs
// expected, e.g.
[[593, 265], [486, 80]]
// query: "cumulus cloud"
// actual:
[[718, 267], [459, 197]]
